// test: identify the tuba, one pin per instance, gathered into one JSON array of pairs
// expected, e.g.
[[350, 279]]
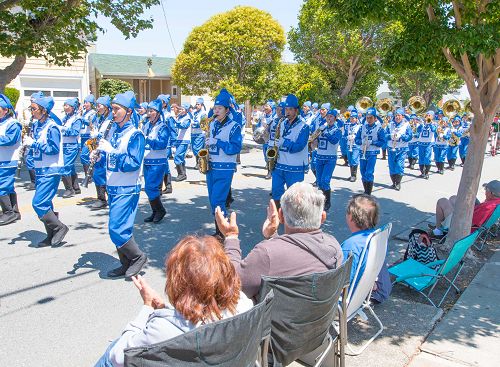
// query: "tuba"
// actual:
[[417, 105], [451, 107], [383, 106], [363, 104], [203, 154]]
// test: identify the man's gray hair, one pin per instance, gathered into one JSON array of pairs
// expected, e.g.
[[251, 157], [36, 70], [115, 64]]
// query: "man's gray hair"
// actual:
[[302, 206]]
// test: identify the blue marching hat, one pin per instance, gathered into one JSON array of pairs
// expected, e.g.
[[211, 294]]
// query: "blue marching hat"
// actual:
[[5, 102], [223, 99], [400, 111], [144, 105], [325, 106], [73, 102], [293, 101], [105, 101], [200, 100], [371, 111], [164, 98], [315, 105], [333, 112], [354, 113], [46, 103], [306, 103], [90, 98], [126, 100], [155, 105], [186, 105]]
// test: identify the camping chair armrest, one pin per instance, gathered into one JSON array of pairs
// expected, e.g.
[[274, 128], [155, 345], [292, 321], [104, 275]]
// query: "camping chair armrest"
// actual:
[[409, 276], [434, 263]]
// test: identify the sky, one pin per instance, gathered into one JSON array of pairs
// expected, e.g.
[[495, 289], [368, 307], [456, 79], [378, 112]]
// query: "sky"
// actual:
[[182, 16]]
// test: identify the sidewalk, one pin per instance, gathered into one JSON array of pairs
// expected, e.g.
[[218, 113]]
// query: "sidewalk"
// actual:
[[469, 334]]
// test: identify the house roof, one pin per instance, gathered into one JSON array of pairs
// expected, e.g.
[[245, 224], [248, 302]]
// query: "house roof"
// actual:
[[131, 66]]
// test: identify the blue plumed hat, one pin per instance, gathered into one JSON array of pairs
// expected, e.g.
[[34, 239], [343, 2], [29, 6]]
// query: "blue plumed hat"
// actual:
[[5, 102], [105, 101], [293, 102], [333, 112], [126, 100], [46, 103], [223, 99], [325, 106], [90, 98], [73, 102], [156, 105]]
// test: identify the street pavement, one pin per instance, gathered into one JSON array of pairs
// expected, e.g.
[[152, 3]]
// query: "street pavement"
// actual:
[[57, 308]]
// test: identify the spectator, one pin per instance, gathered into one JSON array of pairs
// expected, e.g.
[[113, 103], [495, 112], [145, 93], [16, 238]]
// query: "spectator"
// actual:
[[202, 286], [362, 217], [303, 249], [482, 211]]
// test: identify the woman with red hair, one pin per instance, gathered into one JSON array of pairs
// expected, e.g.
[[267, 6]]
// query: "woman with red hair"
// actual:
[[202, 286]]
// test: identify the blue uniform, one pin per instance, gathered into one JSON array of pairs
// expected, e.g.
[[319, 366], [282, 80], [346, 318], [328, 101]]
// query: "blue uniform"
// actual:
[[441, 144], [453, 144], [71, 135], [426, 139], [183, 126], [398, 147], [373, 136], [293, 160], [99, 175], [328, 143], [317, 123], [266, 120], [88, 120], [197, 134], [413, 143], [10, 145], [155, 156], [464, 140], [353, 150], [122, 178]]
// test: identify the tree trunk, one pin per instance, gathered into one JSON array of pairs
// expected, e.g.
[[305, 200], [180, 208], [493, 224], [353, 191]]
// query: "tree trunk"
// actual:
[[10, 72], [469, 182], [351, 78]]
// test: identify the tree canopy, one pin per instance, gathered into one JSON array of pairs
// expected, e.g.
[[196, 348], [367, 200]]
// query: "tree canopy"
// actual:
[[239, 49], [61, 30], [112, 87], [346, 55]]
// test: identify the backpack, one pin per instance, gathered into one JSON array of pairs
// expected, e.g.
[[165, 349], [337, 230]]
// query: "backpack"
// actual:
[[420, 247]]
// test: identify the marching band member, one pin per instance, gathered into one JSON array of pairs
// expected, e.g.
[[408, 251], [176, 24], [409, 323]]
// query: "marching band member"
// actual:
[[197, 134], [398, 135], [224, 142], [318, 122], [387, 119], [370, 137], [441, 145], [413, 143], [454, 142], [344, 125], [142, 112], [183, 125], [72, 124], [426, 139], [104, 119], [88, 116], [293, 151], [47, 146], [465, 138], [170, 121], [327, 146], [155, 158], [266, 118], [10, 145], [350, 132], [124, 155], [307, 114]]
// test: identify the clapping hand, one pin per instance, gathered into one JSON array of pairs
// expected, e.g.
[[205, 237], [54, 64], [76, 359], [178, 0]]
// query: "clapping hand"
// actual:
[[272, 222], [149, 295], [228, 227]]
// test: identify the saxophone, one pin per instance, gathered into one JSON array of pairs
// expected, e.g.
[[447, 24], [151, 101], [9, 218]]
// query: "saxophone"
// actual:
[[203, 154], [95, 157], [272, 152]]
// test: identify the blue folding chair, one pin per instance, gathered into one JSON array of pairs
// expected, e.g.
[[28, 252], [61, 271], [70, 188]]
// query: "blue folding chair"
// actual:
[[487, 230], [422, 277]]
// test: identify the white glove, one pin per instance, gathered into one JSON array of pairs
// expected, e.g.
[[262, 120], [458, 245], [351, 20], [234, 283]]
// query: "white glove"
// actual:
[[323, 127], [105, 146], [212, 141], [28, 140], [94, 134]]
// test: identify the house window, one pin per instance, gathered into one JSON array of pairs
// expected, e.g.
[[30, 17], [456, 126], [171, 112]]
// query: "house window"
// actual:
[[29, 92], [174, 91], [65, 94]]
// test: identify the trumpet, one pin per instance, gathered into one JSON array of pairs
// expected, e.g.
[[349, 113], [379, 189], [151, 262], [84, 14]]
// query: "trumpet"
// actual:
[[204, 155]]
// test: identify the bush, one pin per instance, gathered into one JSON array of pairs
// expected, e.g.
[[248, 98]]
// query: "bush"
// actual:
[[13, 95], [112, 87]]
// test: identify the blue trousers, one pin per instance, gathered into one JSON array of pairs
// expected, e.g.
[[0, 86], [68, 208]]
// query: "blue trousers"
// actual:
[[180, 152], [197, 143], [367, 167], [464, 145], [452, 152], [353, 156], [424, 155], [218, 185], [7, 178], [396, 161], [99, 175], [440, 153], [264, 150], [85, 154], [413, 150], [105, 361], [153, 178], [70, 152], [281, 178], [313, 160], [46, 189], [30, 163], [122, 211], [324, 172], [343, 146]]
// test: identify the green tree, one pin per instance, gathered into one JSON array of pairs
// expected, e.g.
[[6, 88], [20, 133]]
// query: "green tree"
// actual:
[[112, 87], [346, 55], [61, 30], [13, 94], [438, 34], [239, 49], [430, 84]]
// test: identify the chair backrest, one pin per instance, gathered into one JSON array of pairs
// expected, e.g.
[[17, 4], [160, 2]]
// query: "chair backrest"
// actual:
[[362, 284], [304, 308], [226, 343], [493, 218], [458, 252]]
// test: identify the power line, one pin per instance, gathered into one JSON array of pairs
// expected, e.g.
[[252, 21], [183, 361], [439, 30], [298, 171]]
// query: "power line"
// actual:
[[168, 28]]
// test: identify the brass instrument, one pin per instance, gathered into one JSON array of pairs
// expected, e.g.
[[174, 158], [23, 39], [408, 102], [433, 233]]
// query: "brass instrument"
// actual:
[[417, 105], [363, 104], [383, 106], [315, 135], [203, 155], [386, 122], [454, 140], [273, 152], [440, 131], [347, 114], [451, 107], [92, 145], [26, 131], [366, 143]]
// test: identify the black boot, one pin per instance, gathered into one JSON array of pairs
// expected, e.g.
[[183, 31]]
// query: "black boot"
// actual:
[[167, 179], [159, 210], [47, 241], [135, 256], [384, 154], [122, 269], [101, 201], [368, 187], [229, 198], [422, 170], [463, 161], [328, 194], [346, 161], [393, 179], [8, 216], [397, 183], [153, 214], [59, 229], [412, 163], [354, 172], [32, 183], [181, 173], [440, 168], [68, 187], [452, 163], [74, 181], [15, 207], [427, 170]]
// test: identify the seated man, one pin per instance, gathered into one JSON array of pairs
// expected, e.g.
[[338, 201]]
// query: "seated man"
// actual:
[[303, 249], [362, 217], [482, 211]]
